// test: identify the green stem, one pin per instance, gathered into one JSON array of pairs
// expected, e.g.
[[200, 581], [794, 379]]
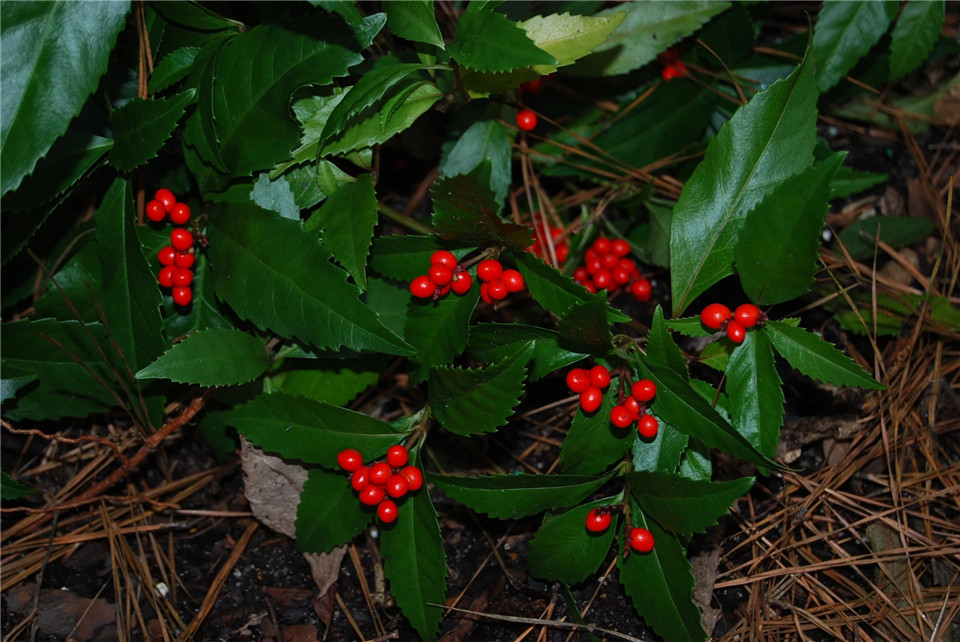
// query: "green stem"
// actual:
[[403, 219]]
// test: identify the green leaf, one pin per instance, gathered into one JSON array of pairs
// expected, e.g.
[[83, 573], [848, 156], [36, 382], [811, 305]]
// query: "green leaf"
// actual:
[[52, 55], [472, 401], [328, 514], [311, 431], [816, 358], [438, 329], [406, 257], [348, 218], [414, 21], [484, 140], [689, 327], [778, 248], [648, 29], [515, 496], [488, 41], [663, 452], [142, 126], [554, 291], [10, 385], [274, 196], [569, 37], [172, 68], [755, 390], [914, 35], [684, 506], [415, 562], [196, 16], [10, 488], [660, 583], [215, 357], [492, 342], [255, 253], [333, 381], [844, 33], [259, 72], [662, 349], [465, 209], [768, 140], [205, 312], [564, 551], [584, 327], [130, 297], [847, 182], [860, 237], [592, 443]]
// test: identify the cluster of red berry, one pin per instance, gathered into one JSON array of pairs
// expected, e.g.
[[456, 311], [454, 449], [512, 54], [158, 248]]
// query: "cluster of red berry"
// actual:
[[495, 282], [177, 258], [634, 409], [717, 316], [589, 384], [541, 247], [673, 67], [607, 267], [445, 274], [374, 483], [526, 120], [600, 518]]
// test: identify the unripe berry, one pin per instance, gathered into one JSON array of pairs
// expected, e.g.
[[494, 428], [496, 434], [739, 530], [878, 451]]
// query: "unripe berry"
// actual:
[[598, 520], [747, 315], [578, 380], [648, 426], [715, 315], [350, 459], [620, 416], [641, 540], [591, 399], [599, 376], [644, 390], [387, 511], [422, 287], [398, 456]]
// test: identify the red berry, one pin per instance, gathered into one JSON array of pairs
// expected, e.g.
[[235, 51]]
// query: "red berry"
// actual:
[[380, 472], [513, 280], [167, 256], [181, 277], [621, 275], [461, 283], [641, 290], [562, 252], [387, 511], [489, 270], [648, 426], [594, 265], [155, 211], [530, 87], [184, 259], [633, 406], [350, 459], [526, 119], [669, 56], [413, 476], [397, 486], [747, 315], [422, 287], [602, 245], [715, 315], [164, 278], [360, 478], [497, 290], [440, 275], [580, 275], [180, 213], [591, 399], [181, 239], [644, 390], [598, 520], [610, 260], [398, 456], [620, 247], [670, 72], [603, 279], [485, 293], [736, 332], [641, 540], [599, 376], [372, 495], [620, 416], [443, 257], [182, 295], [166, 197], [578, 380]]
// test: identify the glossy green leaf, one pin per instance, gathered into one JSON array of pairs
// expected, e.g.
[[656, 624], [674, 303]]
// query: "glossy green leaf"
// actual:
[[11, 384], [696, 463], [777, 254], [215, 357], [406, 257], [488, 41], [491, 342], [414, 21], [328, 514], [768, 140], [465, 209], [648, 29], [663, 452], [196, 16], [515, 496], [438, 330], [52, 55], [592, 443], [470, 401], [816, 358], [662, 349], [333, 381], [554, 291], [584, 327], [755, 390], [860, 237], [660, 583], [569, 37], [845, 32], [484, 140], [684, 506], [275, 196], [142, 126], [563, 550], [914, 35], [172, 68], [414, 561], [254, 252], [847, 182], [311, 431], [130, 296], [10, 488], [689, 326], [348, 218]]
